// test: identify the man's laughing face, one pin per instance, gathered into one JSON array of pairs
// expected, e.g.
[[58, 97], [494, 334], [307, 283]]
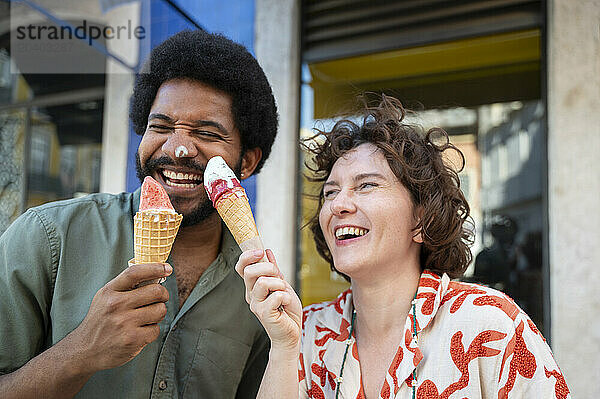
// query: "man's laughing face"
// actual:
[[189, 123]]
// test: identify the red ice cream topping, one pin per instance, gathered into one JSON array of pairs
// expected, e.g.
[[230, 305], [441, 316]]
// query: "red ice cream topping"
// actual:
[[154, 196], [220, 187]]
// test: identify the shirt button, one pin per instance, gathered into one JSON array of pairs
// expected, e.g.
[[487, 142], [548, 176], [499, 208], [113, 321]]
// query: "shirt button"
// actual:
[[162, 385]]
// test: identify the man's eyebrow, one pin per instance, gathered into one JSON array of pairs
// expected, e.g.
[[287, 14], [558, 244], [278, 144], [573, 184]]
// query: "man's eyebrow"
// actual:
[[163, 117], [330, 183], [196, 123]]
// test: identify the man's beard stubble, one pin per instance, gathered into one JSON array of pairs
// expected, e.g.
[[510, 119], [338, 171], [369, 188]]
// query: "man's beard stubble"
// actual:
[[205, 209]]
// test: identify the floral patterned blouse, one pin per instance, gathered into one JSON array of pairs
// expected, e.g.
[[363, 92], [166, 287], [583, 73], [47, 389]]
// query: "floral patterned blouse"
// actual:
[[472, 342]]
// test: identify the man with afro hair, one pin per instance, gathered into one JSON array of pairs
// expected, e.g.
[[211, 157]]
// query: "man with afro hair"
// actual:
[[77, 321]]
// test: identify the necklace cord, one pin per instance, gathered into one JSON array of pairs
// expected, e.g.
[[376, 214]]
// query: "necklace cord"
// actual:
[[414, 373], [349, 342]]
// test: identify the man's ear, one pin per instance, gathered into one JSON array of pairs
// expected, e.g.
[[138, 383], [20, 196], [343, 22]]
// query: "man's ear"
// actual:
[[250, 160], [418, 233]]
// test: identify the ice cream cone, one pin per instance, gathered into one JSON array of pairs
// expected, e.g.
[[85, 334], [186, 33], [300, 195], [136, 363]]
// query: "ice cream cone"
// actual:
[[154, 234], [231, 201], [234, 209]]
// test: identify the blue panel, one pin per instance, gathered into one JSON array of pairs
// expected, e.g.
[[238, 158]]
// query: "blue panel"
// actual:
[[134, 141], [232, 18]]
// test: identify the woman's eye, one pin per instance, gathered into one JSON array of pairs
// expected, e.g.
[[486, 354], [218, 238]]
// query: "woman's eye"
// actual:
[[367, 185]]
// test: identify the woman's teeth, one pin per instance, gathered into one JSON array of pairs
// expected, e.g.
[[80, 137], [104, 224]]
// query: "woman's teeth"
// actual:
[[344, 233]]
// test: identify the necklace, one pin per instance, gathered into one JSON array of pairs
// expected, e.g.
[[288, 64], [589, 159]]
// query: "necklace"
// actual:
[[349, 342]]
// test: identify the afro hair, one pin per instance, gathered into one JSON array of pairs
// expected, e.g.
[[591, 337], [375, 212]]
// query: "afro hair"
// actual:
[[222, 64]]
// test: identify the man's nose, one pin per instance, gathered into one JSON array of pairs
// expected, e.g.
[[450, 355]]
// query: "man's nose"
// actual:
[[342, 203], [179, 144]]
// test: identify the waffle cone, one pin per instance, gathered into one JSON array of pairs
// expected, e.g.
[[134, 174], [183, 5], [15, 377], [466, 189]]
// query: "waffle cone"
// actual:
[[154, 234], [235, 211]]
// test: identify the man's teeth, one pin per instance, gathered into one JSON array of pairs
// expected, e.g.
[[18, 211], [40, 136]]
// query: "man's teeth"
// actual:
[[350, 232], [184, 178], [181, 176], [186, 185]]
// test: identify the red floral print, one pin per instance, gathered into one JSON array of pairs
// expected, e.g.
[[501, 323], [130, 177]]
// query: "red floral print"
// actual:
[[505, 355], [561, 389]]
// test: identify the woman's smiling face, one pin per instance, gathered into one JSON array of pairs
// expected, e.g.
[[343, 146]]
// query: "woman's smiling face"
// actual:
[[368, 216]]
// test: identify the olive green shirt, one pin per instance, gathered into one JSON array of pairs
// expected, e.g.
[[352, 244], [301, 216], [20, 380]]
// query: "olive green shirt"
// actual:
[[54, 258]]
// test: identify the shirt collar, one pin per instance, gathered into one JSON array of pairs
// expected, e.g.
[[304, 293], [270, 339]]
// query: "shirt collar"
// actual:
[[215, 273], [429, 295], [229, 248], [428, 299], [135, 202]]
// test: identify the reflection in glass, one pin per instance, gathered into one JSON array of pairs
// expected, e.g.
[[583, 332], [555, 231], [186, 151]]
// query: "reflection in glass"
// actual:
[[12, 159], [62, 163], [510, 137], [50, 144]]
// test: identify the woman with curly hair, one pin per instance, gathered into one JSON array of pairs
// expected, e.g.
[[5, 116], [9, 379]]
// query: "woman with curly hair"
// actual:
[[393, 221]]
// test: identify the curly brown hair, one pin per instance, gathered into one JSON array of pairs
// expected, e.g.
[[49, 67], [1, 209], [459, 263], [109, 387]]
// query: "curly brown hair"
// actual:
[[415, 157]]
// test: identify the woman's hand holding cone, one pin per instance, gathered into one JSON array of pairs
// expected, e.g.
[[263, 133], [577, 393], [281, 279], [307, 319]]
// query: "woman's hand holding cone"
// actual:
[[271, 299]]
